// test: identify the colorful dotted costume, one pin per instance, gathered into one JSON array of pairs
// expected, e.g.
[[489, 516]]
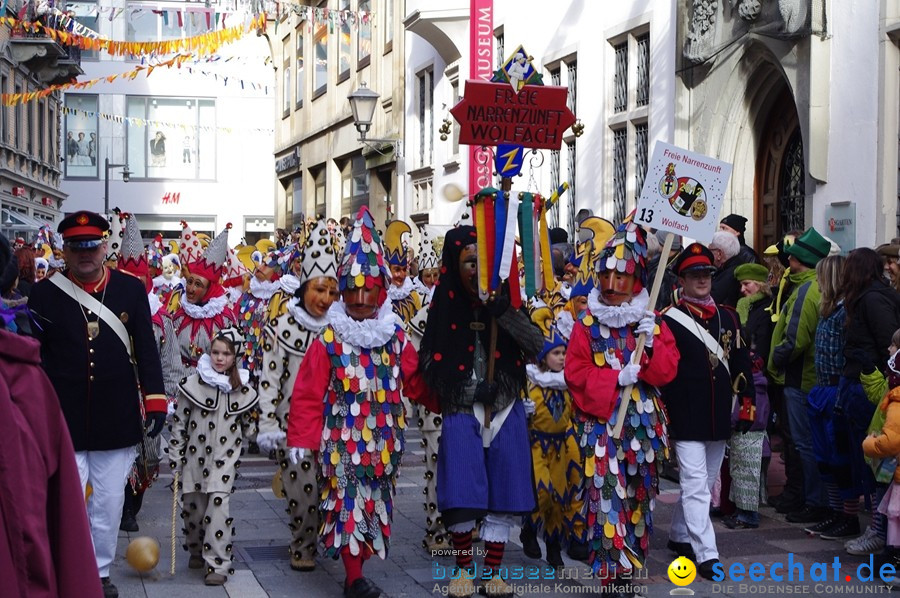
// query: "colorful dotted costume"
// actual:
[[620, 473], [359, 367]]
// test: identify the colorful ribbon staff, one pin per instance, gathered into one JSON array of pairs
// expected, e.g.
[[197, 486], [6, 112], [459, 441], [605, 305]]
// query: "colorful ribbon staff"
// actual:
[[495, 214]]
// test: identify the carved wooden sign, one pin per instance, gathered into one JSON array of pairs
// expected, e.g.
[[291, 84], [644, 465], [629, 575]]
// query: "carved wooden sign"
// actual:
[[535, 116]]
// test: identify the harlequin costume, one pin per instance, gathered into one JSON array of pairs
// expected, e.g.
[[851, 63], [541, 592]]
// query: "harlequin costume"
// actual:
[[360, 368], [406, 300], [481, 471], [252, 308], [197, 324], [133, 259], [285, 341], [429, 423], [584, 261], [555, 454], [714, 368], [91, 369], [207, 429], [620, 473]]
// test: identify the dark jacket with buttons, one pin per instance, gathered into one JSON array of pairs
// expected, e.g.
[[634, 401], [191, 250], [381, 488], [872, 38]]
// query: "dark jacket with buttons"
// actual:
[[94, 379], [699, 399]]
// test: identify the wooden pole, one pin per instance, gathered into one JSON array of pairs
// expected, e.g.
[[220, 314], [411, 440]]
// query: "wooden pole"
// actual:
[[639, 349], [174, 515]]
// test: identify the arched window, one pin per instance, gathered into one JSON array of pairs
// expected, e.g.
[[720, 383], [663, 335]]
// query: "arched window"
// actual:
[[792, 194]]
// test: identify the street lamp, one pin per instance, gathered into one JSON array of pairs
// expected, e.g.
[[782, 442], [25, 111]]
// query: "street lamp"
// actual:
[[362, 104], [126, 176]]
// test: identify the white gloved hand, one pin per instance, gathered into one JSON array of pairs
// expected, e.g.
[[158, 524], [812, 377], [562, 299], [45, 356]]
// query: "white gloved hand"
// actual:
[[269, 441], [296, 454], [629, 374], [170, 408], [529, 407], [646, 326]]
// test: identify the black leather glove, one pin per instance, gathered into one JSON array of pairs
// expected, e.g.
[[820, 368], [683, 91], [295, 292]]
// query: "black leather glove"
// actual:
[[498, 305], [863, 359], [154, 423], [485, 392]]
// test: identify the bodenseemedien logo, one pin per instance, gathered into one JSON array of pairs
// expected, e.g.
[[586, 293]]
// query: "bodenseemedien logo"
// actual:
[[682, 572]]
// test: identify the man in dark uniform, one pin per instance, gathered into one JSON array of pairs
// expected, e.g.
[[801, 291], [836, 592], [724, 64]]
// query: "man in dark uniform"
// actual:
[[86, 315], [714, 369]]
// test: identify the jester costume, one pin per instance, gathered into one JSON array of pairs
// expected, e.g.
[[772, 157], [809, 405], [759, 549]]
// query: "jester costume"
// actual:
[[197, 324], [620, 472], [285, 341], [484, 439], [555, 454], [134, 260], [429, 423], [359, 367], [252, 308], [407, 301]]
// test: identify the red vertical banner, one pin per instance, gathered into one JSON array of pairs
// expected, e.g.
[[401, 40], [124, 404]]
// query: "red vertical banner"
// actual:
[[481, 66]]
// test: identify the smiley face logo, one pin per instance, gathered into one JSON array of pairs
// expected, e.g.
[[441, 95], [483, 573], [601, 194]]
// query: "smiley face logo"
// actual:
[[682, 571]]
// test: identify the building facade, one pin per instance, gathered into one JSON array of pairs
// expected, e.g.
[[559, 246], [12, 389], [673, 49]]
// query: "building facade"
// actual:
[[30, 168], [323, 52], [801, 96], [196, 139]]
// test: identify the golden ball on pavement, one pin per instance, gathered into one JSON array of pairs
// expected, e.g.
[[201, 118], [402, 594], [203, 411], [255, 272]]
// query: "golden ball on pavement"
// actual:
[[143, 554]]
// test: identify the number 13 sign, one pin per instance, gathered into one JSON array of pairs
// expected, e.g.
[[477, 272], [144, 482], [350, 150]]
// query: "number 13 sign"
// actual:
[[683, 192]]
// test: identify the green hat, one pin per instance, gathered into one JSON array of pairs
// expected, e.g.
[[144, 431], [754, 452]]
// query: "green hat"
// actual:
[[755, 272], [809, 248]]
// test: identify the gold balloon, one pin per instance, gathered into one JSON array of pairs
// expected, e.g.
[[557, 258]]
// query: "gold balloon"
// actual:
[[143, 554], [453, 192], [278, 485]]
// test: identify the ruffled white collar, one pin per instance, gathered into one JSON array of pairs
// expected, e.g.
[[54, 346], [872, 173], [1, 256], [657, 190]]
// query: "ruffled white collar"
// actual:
[[396, 293], [289, 283], [213, 378], [374, 332], [210, 309], [304, 318], [155, 303], [618, 316], [234, 294], [554, 380], [419, 286], [160, 281], [565, 290], [263, 289], [565, 323]]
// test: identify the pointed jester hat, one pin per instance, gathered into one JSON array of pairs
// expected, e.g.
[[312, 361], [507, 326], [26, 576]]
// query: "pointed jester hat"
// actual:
[[393, 243], [598, 231], [116, 234], [318, 257], [234, 270], [363, 263], [189, 246], [543, 317], [210, 265], [626, 252], [429, 253], [133, 258]]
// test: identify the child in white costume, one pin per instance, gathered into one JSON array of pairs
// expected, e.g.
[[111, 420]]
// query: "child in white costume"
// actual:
[[207, 429]]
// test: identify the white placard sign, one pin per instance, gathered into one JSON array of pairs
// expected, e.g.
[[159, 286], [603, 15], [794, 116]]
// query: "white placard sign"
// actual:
[[683, 192]]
